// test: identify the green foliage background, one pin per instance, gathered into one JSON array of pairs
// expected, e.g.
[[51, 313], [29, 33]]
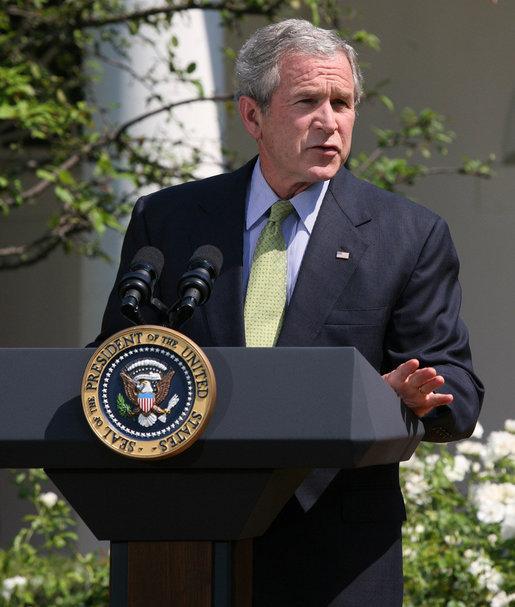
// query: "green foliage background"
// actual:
[[44, 553], [52, 126]]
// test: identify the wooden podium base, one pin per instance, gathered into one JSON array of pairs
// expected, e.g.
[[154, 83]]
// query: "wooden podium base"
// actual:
[[181, 574]]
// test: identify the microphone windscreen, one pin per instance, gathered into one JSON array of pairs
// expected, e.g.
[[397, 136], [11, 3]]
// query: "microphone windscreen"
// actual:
[[150, 256], [210, 254]]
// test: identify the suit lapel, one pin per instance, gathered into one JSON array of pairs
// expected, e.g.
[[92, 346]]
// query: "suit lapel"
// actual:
[[221, 223], [324, 274]]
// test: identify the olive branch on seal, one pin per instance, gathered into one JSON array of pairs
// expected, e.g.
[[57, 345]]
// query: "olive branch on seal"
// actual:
[[123, 408]]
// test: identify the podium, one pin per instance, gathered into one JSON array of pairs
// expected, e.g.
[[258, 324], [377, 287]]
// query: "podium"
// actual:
[[279, 413]]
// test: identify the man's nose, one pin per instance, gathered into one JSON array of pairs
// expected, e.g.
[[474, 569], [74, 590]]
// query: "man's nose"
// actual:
[[325, 118]]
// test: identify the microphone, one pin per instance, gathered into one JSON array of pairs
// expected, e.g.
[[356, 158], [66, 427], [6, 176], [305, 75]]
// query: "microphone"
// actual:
[[137, 286], [196, 284]]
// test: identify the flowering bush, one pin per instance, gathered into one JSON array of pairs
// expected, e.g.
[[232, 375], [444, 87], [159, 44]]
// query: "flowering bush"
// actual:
[[42, 567], [459, 540]]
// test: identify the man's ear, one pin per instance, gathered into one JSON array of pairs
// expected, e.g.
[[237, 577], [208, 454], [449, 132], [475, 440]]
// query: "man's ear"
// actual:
[[250, 115]]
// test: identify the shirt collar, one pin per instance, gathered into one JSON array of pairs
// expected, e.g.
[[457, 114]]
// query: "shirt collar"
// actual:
[[260, 197]]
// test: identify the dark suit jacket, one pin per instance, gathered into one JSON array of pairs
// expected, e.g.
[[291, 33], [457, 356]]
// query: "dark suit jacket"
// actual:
[[396, 297]]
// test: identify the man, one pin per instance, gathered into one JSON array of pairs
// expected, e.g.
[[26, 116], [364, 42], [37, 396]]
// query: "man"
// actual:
[[392, 292]]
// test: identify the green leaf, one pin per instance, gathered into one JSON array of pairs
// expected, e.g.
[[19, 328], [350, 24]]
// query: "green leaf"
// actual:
[[368, 39], [96, 216], [64, 195], [65, 177], [46, 175], [386, 101]]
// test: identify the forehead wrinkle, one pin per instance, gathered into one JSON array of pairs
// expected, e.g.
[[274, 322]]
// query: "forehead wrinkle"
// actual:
[[319, 73]]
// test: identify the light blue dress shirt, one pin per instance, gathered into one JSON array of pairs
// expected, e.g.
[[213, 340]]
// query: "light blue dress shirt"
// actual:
[[297, 227]]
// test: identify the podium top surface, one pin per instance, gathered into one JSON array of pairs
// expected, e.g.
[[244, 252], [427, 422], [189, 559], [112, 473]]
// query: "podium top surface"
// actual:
[[275, 408]]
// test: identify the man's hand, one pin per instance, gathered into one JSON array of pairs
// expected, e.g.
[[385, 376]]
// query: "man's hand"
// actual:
[[415, 386]]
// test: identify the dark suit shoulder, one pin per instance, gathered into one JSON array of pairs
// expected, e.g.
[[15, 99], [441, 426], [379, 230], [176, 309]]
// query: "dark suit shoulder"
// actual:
[[360, 199], [207, 192]]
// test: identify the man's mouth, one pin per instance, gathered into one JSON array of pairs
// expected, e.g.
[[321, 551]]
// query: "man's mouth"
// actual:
[[326, 148]]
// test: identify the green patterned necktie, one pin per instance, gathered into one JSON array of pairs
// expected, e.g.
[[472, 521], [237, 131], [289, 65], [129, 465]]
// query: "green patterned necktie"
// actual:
[[266, 292]]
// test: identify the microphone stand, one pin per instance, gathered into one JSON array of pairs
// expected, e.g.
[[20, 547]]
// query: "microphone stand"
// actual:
[[180, 312], [135, 316]]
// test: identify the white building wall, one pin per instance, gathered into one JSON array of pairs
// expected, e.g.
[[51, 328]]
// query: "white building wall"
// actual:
[[200, 39]]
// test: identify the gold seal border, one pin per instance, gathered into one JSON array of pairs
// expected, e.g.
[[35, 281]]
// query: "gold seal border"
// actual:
[[201, 410]]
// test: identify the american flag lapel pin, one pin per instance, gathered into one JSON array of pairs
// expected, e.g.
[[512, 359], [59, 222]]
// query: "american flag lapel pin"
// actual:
[[342, 254]]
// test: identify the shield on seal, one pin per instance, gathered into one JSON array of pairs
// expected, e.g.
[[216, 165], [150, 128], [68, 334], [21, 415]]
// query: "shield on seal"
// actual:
[[146, 401]]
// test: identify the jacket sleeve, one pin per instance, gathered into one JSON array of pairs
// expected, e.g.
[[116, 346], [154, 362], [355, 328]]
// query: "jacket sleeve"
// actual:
[[425, 324]]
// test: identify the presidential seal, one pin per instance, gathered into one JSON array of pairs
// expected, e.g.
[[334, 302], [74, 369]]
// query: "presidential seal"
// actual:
[[148, 392]]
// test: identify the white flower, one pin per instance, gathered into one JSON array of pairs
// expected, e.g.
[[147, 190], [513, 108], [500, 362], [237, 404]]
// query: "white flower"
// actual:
[[508, 524], [471, 447], [493, 501], [499, 444], [502, 600], [416, 533], [459, 469], [417, 488], [492, 580], [430, 461], [478, 431], [509, 425], [413, 463], [451, 540], [492, 539], [10, 584], [480, 565], [48, 499], [486, 575]]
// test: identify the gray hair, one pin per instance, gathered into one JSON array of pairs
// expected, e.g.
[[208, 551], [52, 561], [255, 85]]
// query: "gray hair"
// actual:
[[257, 65]]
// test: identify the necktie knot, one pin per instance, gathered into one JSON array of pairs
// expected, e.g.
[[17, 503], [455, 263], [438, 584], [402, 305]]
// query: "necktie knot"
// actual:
[[280, 210]]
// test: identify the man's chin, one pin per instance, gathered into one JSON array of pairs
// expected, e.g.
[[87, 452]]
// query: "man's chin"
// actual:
[[324, 173]]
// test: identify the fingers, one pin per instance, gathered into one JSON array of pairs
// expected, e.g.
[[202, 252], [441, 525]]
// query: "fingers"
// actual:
[[416, 386], [430, 385], [401, 378], [404, 370], [421, 407]]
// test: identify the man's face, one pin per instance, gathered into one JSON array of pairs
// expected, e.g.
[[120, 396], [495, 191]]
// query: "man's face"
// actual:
[[305, 134]]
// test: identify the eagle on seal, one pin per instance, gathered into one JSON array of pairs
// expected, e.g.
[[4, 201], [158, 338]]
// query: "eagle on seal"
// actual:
[[143, 396]]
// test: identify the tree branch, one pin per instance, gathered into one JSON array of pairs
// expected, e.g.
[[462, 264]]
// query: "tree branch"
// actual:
[[87, 150], [164, 9], [37, 250]]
